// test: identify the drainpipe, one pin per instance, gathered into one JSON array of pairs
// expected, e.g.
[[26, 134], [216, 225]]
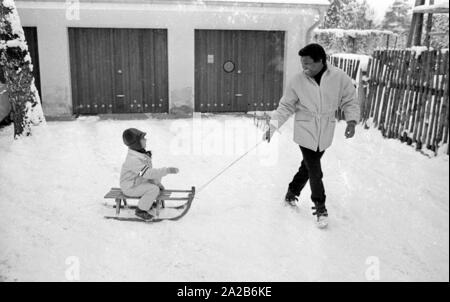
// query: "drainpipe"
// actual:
[[309, 34]]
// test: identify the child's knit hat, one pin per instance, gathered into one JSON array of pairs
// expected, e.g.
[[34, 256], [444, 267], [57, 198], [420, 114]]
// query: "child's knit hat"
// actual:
[[132, 138]]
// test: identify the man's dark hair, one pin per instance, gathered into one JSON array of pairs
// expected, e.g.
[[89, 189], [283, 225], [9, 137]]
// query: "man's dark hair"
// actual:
[[315, 51]]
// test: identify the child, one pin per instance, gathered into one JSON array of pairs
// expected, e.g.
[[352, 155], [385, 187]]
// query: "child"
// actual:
[[138, 178]]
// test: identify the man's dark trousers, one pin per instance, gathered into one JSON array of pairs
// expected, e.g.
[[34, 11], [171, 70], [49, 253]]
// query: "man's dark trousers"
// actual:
[[310, 169]]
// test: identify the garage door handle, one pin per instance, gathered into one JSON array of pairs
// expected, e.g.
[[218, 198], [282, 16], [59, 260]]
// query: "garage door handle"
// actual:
[[120, 95], [239, 94]]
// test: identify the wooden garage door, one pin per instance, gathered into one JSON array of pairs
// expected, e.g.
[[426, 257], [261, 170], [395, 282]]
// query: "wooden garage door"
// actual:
[[118, 70], [32, 41], [238, 71]]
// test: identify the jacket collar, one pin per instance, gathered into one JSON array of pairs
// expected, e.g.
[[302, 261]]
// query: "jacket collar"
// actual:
[[330, 69], [135, 153]]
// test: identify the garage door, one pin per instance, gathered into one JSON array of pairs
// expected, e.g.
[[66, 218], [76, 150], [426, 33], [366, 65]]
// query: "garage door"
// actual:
[[238, 71], [118, 70], [32, 41]]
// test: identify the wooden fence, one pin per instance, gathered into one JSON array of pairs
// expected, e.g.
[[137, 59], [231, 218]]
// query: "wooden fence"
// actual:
[[351, 67], [406, 96]]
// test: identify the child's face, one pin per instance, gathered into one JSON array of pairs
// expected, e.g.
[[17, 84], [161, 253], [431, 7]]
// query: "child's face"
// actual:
[[143, 142]]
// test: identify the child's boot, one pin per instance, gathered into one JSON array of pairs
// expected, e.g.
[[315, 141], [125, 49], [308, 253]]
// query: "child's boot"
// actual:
[[156, 208], [143, 214]]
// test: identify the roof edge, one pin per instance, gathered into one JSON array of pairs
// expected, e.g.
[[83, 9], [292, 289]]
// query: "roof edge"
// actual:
[[255, 3]]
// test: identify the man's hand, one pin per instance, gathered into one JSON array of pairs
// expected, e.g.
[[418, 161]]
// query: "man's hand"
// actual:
[[172, 170], [350, 130], [269, 133]]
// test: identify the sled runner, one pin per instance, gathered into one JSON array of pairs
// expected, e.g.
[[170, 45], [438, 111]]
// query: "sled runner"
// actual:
[[181, 210]]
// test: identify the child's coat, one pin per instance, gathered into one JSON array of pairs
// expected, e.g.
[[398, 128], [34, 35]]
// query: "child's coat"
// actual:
[[138, 178]]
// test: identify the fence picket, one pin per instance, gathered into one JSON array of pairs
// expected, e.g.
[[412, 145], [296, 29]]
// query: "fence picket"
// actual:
[[405, 94]]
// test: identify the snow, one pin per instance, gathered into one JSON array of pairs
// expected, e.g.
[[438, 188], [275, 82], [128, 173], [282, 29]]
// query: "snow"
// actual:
[[17, 43], [14, 19], [386, 202], [352, 32], [294, 2], [8, 3], [419, 50], [440, 7], [363, 59], [442, 149]]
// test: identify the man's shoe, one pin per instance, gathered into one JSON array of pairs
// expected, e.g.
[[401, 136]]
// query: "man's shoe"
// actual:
[[291, 198], [322, 215]]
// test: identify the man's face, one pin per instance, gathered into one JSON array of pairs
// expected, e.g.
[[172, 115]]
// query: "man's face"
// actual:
[[310, 67]]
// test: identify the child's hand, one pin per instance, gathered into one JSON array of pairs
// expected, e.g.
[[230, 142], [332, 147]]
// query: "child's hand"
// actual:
[[172, 170]]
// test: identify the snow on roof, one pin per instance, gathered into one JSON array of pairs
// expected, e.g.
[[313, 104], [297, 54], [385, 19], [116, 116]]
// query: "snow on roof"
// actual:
[[437, 8], [315, 2], [352, 32], [273, 2]]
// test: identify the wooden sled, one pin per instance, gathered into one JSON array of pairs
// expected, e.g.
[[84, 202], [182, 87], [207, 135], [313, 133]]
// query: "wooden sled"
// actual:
[[121, 199]]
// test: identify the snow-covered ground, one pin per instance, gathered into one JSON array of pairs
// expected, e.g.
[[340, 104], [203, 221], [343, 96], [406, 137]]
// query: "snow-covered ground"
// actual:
[[388, 206]]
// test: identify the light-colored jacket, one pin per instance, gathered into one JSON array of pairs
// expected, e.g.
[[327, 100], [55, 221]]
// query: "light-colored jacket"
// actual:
[[137, 169], [315, 106]]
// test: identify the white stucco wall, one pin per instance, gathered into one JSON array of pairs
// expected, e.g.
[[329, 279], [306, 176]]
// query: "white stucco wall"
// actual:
[[180, 20]]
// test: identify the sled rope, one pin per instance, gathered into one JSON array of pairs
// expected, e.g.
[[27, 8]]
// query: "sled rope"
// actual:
[[229, 166]]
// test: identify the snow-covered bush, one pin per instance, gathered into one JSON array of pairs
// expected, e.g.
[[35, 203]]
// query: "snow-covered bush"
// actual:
[[336, 40]]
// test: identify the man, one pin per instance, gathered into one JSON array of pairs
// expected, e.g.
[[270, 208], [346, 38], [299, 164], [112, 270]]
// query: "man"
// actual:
[[313, 96]]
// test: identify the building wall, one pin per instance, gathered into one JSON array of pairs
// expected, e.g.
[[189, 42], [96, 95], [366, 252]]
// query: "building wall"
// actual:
[[181, 20]]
